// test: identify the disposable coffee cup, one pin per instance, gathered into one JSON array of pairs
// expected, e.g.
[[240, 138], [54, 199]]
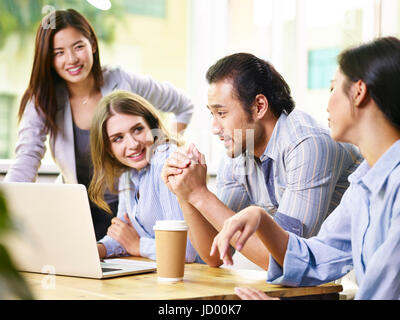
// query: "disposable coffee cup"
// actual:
[[171, 237]]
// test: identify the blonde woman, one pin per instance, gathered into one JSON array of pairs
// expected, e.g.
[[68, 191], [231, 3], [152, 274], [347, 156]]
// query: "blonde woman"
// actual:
[[129, 141]]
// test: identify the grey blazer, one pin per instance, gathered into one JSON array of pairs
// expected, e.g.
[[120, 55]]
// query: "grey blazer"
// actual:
[[30, 147]]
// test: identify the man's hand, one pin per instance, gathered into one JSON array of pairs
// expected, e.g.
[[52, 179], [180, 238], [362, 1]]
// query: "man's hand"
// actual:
[[174, 165], [185, 174]]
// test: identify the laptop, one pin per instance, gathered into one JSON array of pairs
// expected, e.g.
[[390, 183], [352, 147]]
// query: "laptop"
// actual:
[[54, 232]]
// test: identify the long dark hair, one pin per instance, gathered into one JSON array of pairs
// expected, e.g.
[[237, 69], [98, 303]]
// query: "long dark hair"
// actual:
[[252, 76], [377, 64], [42, 84]]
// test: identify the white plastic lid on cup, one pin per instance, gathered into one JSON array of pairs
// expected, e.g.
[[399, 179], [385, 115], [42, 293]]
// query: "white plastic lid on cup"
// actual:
[[171, 225]]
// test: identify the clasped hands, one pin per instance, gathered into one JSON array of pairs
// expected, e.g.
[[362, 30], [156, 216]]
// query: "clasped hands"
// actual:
[[185, 174]]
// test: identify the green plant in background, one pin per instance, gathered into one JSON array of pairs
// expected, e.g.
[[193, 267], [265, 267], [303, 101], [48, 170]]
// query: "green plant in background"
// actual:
[[12, 284], [23, 16]]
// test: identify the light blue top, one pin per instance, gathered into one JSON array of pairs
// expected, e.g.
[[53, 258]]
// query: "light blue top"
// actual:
[[155, 202], [363, 232], [310, 172]]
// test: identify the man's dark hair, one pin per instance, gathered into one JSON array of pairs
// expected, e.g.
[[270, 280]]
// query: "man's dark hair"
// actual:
[[252, 76]]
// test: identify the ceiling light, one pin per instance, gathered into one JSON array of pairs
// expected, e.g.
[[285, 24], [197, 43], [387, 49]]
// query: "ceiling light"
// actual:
[[100, 4]]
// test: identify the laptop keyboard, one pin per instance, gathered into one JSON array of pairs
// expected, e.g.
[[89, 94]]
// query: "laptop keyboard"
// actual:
[[110, 269]]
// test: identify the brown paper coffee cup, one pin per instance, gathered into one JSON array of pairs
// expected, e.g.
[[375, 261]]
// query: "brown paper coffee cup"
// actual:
[[171, 238]]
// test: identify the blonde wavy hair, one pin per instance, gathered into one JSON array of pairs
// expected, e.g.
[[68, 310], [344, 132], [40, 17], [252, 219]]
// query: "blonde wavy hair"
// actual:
[[106, 168]]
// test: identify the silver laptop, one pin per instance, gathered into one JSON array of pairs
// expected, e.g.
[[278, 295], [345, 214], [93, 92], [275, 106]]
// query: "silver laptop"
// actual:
[[54, 232]]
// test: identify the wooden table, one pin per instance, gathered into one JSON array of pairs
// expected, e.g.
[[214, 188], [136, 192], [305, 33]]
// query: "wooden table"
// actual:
[[200, 282]]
